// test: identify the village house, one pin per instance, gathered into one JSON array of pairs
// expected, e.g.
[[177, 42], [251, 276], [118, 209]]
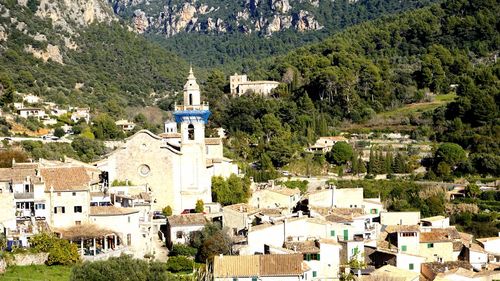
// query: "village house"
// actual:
[[34, 112], [238, 217], [217, 164], [475, 255], [345, 198], [125, 222], [492, 246], [278, 197], [399, 218], [179, 227], [259, 267], [436, 246], [239, 85], [325, 144], [78, 114], [68, 193], [31, 99], [379, 257], [56, 111], [322, 256], [125, 125], [435, 222]]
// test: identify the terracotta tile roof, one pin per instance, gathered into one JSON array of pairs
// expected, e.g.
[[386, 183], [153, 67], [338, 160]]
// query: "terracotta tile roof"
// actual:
[[435, 218], [187, 219], [390, 272], [401, 228], [258, 265], [286, 191], [242, 208], [236, 266], [281, 265], [18, 175], [434, 236], [477, 248], [65, 179], [111, 211], [304, 247], [440, 235], [213, 141]]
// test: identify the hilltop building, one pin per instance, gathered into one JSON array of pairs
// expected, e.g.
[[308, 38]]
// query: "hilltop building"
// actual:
[[239, 85]]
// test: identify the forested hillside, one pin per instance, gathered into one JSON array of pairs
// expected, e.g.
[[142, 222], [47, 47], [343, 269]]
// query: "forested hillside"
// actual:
[[82, 64], [374, 67], [249, 33]]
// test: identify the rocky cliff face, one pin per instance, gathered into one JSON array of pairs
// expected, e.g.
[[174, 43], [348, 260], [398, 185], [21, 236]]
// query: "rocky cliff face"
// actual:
[[266, 17], [66, 18]]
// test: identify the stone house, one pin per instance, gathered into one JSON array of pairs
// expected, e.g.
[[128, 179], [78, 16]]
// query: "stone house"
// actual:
[[239, 85], [279, 197], [125, 222], [67, 191], [179, 227]]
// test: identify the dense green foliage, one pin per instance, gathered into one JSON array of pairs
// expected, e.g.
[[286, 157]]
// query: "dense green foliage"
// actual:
[[340, 154], [373, 67], [80, 148], [231, 191], [113, 63], [182, 250], [61, 252], [124, 268], [212, 240], [180, 264], [402, 195], [381, 64]]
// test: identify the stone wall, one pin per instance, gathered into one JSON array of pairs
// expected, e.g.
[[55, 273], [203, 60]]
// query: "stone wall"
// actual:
[[29, 259]]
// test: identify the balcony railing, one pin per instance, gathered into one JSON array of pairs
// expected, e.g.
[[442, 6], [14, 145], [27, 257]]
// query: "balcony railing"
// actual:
[[24, 195], [202, 106]]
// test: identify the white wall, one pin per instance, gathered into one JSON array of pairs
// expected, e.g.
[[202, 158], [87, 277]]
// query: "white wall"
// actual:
[[399, 218], [69, 201], [403, 261]]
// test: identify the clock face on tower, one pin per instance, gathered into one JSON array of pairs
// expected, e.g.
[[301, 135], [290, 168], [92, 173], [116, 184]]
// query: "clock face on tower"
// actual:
[[144, 170]]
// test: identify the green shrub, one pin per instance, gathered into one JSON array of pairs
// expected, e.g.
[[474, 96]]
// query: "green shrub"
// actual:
[[60, 251], [182, 250], [180, 264]]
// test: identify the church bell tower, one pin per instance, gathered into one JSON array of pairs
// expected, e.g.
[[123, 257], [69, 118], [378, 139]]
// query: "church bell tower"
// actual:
[[192, 116]]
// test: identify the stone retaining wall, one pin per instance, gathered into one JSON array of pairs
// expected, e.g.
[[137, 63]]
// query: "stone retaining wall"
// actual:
[[29, 259]]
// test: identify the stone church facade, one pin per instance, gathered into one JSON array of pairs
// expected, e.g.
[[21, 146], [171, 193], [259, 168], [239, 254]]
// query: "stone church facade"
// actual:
[[176, 170]]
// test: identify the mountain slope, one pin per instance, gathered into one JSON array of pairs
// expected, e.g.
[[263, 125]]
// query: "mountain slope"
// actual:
[[212, 33], [77, 52]]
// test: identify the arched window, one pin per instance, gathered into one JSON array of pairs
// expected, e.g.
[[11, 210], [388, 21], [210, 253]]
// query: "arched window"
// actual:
[[190, 99], [191, 132]]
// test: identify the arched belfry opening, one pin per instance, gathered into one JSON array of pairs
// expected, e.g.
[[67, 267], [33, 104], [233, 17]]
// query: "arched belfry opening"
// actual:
[[190, 99], [191, 132]]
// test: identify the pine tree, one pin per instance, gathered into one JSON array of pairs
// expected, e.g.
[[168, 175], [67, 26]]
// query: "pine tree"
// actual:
[[354, 163], [361, 165], [371, 163]]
